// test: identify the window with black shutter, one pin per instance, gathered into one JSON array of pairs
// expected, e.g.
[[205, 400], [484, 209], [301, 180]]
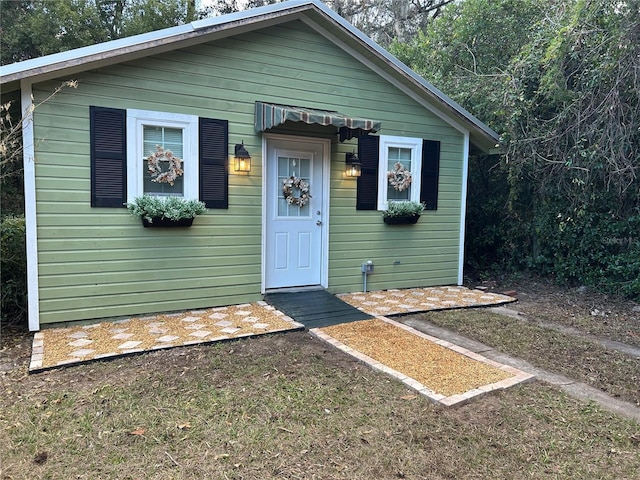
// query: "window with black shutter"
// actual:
[[214, 178], [367, 183], [122, 140], [382, 154], [429, 174], [108, 139]]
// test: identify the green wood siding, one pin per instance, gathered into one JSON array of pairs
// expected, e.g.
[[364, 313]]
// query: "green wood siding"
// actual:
[[100, 262]]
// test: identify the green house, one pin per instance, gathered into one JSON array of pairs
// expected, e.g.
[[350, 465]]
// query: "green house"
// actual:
[[302, 91]]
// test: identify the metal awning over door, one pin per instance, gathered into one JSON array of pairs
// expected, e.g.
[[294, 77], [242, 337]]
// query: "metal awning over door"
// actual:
[[270, 115]]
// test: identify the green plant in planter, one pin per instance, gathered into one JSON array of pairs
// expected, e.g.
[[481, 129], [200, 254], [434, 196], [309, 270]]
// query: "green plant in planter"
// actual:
[[403, 209], [150, 207]]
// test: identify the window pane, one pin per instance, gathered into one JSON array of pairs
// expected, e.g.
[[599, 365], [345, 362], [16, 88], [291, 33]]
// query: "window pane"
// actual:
[[393, 194], [173, 141], [170, 139]]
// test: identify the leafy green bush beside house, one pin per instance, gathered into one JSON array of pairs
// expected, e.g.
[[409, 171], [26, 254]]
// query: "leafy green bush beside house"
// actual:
[[590, 244], [13, 270]]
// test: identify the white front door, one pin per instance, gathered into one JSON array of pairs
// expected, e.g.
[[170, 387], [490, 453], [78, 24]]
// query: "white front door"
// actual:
[[295, 234]]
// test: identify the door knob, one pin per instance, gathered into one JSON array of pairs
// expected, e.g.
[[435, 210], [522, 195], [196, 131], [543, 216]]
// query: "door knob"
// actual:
[[318, 222]]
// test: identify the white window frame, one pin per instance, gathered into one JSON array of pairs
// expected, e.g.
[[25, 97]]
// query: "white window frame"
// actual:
[[136, 120], [415, 145]]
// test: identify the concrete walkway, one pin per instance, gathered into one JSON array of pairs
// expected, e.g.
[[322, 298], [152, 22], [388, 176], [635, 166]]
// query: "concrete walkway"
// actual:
[[572, 387]]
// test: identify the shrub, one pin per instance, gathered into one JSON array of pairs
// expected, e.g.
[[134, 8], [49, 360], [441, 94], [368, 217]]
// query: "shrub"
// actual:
[[396, 209], [591, 245], [13, 265], [173, 208]]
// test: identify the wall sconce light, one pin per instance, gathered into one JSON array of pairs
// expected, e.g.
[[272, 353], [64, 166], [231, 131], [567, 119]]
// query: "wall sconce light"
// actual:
[[353, 165], [242, 159]]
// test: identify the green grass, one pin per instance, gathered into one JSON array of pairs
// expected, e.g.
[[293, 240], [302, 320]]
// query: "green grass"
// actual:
[[289, 406], [584, 360]]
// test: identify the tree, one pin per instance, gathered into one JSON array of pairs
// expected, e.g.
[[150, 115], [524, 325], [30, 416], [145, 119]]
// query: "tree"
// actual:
[[383, 20], [574, 135], [467, 52], [32, 28], [559, 80], [575, 98], [12, 121]]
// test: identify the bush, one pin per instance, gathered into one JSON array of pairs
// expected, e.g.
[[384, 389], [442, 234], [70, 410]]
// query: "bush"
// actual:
[[399, 209], [13, 265], [174, 208], [498, 221], [591, 245]]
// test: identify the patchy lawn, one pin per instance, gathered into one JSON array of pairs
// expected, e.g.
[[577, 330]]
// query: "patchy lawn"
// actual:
[[584, 360], [582, 308], [288, 406]]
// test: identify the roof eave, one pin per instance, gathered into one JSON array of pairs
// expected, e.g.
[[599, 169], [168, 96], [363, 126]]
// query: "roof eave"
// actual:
[[130, 48], [94, 56]]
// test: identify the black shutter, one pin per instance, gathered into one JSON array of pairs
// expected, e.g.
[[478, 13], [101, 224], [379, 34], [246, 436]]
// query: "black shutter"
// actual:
[[367, 187], [108, 132], [429, 175], [213, 137]]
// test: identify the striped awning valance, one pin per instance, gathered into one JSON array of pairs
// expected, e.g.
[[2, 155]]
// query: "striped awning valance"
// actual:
[[269, 115]]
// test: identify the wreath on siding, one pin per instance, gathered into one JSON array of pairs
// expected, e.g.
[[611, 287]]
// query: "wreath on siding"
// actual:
[[399, 178], [291, 183], [154, 167]]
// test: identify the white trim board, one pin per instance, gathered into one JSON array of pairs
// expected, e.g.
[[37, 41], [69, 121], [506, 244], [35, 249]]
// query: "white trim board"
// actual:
[[28, 159], [463, 208]]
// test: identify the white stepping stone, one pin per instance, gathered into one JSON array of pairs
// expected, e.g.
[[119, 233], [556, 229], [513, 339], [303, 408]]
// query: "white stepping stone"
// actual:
[[158, 331], [200, 334], [82, 353], [82, 342], [163, 339], [122, 336], [229, 330], [78, 335]]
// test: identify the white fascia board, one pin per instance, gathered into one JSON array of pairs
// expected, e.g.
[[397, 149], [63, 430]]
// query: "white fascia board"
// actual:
[[92, 51], [116, 48], [463, 208], [251, 13], [28, 158]]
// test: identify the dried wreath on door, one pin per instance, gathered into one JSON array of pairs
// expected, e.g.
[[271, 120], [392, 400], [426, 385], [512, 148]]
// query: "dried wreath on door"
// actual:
[[292, 183]]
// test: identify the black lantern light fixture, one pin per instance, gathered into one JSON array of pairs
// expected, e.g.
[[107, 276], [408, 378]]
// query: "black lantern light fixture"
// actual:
[[353, 165], [242, 159]]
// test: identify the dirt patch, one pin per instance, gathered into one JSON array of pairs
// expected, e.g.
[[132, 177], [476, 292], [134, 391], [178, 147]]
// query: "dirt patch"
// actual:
[[583, 308]]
